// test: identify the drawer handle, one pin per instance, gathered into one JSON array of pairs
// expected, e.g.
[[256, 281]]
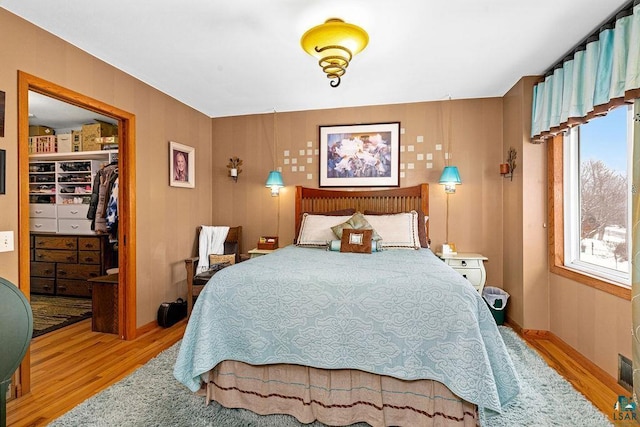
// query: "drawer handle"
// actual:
[[465, 276], [48, 271], [74, 226], [69, 244], [70, 258], [73, 212], [464, 263], [46, 287], [38, 211], [37, 225], [88, 259], [62, 273], [89, 245]]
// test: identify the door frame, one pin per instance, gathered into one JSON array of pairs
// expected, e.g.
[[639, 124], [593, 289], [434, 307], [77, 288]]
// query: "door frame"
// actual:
[[126, 202]]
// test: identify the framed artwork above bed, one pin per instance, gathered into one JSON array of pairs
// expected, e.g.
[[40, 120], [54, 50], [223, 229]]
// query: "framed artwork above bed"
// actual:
[[366, 155]]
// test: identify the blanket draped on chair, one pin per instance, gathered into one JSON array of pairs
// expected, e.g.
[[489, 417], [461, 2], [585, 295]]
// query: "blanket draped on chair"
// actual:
[[211, 242]]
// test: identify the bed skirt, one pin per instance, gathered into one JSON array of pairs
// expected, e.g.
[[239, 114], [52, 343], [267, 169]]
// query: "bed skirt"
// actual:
[[336, 397]]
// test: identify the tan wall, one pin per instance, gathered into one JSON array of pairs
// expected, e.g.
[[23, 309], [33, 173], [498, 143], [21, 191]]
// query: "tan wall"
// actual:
[[525, 236], [593, 322], [166, 216], [475, 219]]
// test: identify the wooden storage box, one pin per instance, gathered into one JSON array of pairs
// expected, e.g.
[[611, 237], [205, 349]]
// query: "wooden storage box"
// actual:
[[268, 242]]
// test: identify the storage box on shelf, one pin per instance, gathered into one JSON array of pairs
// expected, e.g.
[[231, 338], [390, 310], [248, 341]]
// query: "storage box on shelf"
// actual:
[[43, 144], [92, 133], [36, 130]]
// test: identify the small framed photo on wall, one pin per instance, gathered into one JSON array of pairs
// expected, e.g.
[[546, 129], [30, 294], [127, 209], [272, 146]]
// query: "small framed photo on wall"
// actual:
[[182, 165]]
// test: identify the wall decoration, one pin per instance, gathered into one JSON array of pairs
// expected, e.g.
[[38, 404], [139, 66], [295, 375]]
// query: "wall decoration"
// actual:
[[2, 108], [360, 155], [182, 165], [3, 172]]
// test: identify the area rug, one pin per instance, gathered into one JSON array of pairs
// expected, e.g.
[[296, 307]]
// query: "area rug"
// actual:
[[54, 312], [152, 397]]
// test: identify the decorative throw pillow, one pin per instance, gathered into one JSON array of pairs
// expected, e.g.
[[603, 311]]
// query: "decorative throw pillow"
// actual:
[[397, 231], [356, 222], [334, 245], [422, 226], [315, 230], [358, 241]]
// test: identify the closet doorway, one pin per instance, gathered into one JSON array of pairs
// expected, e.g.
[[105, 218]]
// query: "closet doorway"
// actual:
[[126, 200]]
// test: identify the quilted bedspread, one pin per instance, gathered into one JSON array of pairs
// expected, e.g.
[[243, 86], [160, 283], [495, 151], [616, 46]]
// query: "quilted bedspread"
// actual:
[[401, 313]]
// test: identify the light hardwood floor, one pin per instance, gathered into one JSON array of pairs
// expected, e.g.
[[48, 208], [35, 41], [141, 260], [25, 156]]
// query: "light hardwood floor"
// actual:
[[74, 363]]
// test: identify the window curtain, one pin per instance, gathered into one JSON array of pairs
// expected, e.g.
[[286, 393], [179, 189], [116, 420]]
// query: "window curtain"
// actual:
[[600, 74]]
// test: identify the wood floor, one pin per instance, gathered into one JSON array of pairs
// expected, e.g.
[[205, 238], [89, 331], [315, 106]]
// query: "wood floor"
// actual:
[[74, 363]]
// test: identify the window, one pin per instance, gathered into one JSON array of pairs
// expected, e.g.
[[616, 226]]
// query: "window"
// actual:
[[597, 192]]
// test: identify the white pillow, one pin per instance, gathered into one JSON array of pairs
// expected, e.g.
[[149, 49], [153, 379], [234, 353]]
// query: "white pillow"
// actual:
[[315, 230], [398, 231]]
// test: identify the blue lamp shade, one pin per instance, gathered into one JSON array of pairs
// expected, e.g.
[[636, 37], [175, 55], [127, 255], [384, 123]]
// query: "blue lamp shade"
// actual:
[[275, 182], [450, 178]]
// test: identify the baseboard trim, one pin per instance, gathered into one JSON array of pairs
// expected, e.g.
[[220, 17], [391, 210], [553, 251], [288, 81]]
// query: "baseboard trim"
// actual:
[[146, 328], [600, 374]]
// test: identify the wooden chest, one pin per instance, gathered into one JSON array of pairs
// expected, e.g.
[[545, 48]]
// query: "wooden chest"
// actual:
[[62, 264]]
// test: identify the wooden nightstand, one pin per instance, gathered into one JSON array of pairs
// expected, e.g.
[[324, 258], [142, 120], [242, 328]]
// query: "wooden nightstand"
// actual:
[[254, 253], [470, 266]]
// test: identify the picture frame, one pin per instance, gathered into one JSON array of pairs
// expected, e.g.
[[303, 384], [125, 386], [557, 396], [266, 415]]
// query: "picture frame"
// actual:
[[3, 172], [182, 165], [364, 155], [2, 110]]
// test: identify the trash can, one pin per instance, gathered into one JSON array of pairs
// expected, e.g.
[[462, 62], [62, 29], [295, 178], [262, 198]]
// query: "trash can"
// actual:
[[496, 299]]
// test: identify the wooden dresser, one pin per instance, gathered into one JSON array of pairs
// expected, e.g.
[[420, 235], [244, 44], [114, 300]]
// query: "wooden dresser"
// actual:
[[62, 264]]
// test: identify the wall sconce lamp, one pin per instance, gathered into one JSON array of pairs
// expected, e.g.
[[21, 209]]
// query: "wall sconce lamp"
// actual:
[[234, 168], [275, 182], [334, 43], [506, 169], [450, 178]]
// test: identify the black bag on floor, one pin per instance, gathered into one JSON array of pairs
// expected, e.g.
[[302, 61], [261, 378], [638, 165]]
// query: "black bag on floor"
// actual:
[[171, 313]]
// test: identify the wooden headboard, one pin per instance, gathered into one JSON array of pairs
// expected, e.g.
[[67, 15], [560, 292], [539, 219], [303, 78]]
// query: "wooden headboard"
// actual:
[[396, 200]]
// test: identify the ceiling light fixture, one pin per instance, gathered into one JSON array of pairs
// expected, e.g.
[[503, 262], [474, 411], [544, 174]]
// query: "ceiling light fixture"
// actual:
[[334, 43]]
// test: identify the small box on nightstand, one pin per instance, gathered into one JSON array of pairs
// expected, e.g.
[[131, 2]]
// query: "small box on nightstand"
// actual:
[[268, 242]]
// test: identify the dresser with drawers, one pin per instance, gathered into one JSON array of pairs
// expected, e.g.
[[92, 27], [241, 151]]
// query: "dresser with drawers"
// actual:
[[61, 264]]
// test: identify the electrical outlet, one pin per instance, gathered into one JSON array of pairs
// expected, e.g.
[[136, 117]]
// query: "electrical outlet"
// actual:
[[6, 241]]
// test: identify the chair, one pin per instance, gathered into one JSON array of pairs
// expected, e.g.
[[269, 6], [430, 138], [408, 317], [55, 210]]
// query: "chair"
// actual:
[[195, 282], [16, 329]]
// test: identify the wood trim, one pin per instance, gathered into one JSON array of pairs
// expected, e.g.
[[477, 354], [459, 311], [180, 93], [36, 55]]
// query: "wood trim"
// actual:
[[127, 200], [24, 280], [391, 201], [555, 196], [146, 328], [535, 334], [583, 362]]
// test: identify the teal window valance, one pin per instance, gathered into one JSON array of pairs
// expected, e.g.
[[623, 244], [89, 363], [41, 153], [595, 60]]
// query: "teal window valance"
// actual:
[[600, 74]]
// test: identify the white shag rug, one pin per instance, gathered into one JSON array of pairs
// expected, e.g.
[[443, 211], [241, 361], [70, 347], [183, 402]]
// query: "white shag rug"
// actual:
[[150, 396]]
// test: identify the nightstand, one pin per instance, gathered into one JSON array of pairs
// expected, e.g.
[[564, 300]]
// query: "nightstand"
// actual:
[[254, 253], [470, 266]]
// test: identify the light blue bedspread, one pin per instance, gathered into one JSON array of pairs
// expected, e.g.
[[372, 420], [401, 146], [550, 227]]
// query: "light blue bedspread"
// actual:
[[401, 313]]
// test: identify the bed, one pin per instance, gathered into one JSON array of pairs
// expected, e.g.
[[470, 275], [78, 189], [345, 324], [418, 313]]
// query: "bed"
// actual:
[[391, 337]]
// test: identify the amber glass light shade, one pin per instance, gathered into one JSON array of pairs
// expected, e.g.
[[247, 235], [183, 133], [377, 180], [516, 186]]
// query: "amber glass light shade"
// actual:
[[334, 43]]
